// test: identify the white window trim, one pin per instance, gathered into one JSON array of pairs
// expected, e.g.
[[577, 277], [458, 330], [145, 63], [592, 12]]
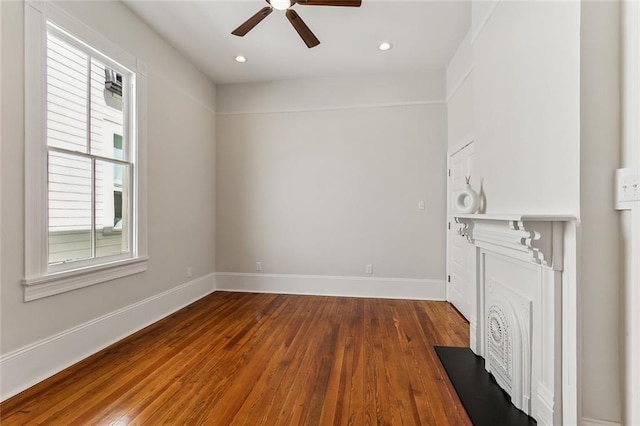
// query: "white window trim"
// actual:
[[38, 281]]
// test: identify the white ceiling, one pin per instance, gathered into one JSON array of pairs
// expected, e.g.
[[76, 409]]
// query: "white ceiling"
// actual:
[[425, 35]]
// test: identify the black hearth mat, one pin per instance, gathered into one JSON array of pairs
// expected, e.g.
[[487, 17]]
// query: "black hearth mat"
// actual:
[[486, 403]]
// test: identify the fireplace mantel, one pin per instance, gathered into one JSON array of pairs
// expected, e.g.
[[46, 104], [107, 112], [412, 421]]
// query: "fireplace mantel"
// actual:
[[518, 317], [534, 238]]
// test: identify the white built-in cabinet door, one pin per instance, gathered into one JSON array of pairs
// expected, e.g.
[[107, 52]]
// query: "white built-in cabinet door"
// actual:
[[460, 292]]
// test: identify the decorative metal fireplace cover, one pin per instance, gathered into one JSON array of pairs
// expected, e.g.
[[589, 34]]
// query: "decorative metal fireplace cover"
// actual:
[[508, 340]]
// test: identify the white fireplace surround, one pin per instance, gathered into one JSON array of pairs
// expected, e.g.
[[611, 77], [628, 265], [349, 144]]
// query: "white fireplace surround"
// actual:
[[517, 322]]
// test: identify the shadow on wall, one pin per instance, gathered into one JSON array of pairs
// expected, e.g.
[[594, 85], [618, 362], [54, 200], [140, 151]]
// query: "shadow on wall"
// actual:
[[482, 207]]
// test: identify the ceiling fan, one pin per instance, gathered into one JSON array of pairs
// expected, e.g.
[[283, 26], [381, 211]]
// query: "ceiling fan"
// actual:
[[303, 30]]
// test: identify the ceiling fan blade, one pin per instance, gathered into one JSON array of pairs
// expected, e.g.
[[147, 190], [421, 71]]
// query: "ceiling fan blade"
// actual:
[[345, 3], [252, 22], [305, 33]]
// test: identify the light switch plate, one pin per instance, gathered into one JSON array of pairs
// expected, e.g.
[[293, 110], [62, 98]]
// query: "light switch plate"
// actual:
[[627, 190]]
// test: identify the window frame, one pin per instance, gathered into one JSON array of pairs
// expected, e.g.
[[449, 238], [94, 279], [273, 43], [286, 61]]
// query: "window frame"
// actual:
[[41, 280]]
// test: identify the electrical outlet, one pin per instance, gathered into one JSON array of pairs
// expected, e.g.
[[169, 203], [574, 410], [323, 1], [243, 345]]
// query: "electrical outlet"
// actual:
[[258, 266], [188, 271], [421, 205], [368, 269]]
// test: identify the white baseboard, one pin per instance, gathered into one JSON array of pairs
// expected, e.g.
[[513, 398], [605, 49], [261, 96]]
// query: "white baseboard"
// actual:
[[320, 285], [31, 364], [473, 338], [595, 422]]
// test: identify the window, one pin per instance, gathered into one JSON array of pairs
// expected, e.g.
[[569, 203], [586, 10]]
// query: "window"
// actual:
[[84, 145], [89, 164]]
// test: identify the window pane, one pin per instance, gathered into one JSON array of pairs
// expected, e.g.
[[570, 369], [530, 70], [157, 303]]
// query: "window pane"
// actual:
[[69, 207], [107, 116], [112, 208], [67, 75]]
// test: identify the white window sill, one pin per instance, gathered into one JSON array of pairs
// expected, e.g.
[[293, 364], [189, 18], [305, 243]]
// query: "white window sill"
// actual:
[[110, 230], [49, 285]]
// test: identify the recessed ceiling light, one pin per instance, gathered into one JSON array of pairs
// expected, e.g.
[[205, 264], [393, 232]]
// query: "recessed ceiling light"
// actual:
[[241, 59], [385, 46]]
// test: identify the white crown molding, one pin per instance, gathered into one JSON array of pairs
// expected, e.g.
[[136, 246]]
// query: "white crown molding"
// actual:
[[36, 4], [459, 84], [477, 30], [38, 361], [336, 108], [167, 80]]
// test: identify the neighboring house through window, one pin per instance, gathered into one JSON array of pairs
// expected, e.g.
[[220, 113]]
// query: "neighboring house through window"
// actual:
[[85, 169]]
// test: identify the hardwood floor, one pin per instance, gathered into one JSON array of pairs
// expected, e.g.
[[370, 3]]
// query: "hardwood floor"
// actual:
[[249, 359]]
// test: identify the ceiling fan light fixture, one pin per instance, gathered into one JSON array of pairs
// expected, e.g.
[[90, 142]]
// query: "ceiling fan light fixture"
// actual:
[[280, 4], [241, 59], [385, 46]]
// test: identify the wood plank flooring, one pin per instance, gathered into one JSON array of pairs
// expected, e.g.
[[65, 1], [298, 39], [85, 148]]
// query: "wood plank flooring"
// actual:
[[260, 359]]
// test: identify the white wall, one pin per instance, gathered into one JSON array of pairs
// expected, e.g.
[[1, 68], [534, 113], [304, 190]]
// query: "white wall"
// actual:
[[460, 96], [363, 91], [1, 145], [527, 106], [321, 177], [600, 244], [181, 179], [630, 220]]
